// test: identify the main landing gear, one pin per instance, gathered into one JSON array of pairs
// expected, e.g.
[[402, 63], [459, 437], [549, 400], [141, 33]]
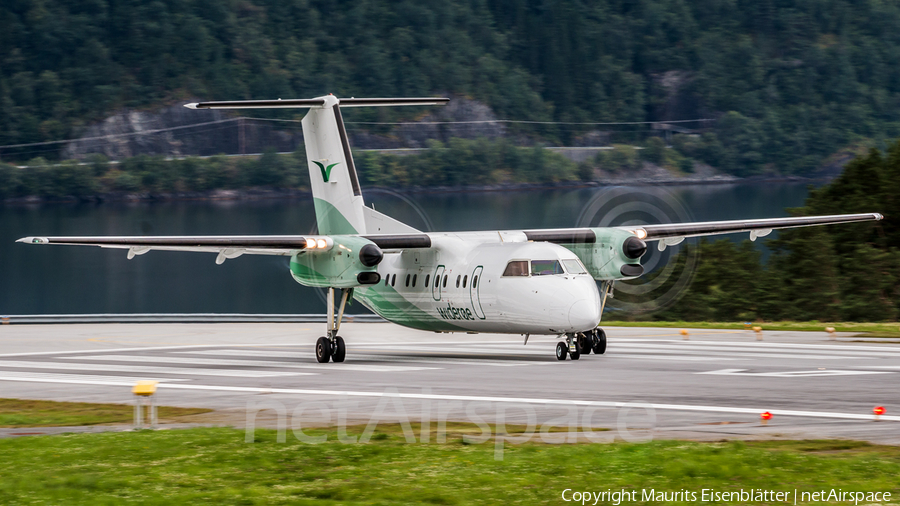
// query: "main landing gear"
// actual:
[[331, 347], [582, 342]]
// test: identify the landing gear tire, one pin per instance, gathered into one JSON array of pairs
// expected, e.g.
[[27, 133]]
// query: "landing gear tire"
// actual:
[[323, 350], [561, 350], [340, 351], [575, 355], [585, 343], [599, 341]]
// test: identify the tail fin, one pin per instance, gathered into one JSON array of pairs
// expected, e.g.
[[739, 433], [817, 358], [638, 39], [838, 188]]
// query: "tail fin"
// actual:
[[332, 174]]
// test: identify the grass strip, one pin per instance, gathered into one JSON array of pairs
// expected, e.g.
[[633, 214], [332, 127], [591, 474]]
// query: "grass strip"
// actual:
[[16, 413], [216, 466]]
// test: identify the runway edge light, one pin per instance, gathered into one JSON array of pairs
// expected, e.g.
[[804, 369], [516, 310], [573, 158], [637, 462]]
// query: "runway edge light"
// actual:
[[765, 417], [878, 411], [144, 389]]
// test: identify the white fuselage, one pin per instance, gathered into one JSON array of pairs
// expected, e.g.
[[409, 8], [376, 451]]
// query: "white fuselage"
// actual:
[[458, 285]]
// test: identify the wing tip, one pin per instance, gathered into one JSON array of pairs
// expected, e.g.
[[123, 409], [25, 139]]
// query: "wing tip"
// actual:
[[192, 105], [878, 216], [33, 240]]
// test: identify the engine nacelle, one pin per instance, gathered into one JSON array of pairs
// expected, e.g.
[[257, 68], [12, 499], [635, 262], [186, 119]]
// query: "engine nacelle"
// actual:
[[347, 262], [615, 254]]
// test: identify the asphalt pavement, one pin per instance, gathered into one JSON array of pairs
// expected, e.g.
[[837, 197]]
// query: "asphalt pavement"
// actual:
[[651, 382]]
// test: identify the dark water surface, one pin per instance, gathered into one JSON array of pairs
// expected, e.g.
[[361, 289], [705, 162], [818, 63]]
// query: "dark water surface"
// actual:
[[77, 279]]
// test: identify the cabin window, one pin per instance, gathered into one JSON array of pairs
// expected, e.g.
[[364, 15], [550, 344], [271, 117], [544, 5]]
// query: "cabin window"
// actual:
[[387, 280], [574, 266], [516, 268], [393, 280], [545, 267], [445, 281], [427, 279], [414, 280], [407, 280], [458, 278], [466, 277], [475, 282]]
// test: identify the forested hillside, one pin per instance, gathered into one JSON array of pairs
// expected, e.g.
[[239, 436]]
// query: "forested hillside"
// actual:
[[834, 273], [789, 82]]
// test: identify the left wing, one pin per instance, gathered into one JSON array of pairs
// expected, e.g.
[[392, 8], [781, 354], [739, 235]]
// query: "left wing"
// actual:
[[673, 233], [762, 227]]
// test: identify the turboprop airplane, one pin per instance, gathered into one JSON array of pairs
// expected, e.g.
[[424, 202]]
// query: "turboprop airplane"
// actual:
[[528, 282]]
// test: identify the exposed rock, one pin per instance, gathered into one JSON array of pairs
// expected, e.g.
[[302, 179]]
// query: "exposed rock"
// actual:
[[475, 119], [178, 131], [675, 99]]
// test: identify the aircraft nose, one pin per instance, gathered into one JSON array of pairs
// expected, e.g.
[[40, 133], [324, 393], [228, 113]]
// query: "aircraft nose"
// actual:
[[583, 315]]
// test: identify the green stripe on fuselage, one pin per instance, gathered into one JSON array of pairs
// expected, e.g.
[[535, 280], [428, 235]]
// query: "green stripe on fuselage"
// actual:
[[388, 303]]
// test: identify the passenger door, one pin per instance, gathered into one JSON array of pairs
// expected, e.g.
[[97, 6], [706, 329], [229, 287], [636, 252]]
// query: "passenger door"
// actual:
[[474, 292], [436, 283]]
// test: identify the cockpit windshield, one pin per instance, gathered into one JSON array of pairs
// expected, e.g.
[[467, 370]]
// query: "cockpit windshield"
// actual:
[[545, 267], [516, 268], [574, 266]]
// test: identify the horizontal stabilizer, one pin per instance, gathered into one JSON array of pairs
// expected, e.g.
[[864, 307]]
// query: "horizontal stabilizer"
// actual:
[[317, 102]]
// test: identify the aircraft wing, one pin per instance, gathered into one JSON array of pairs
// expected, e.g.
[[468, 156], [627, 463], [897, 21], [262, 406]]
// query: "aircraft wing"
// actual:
[[227, 246], [673, 233], [237, 245], [676, 232]]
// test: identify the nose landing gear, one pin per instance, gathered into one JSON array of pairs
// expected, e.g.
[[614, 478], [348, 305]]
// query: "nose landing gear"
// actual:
[[582, 342], [331, 346], [561, 350]]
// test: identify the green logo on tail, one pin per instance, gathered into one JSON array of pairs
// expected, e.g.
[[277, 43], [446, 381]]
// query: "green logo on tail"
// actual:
[[326, 171]]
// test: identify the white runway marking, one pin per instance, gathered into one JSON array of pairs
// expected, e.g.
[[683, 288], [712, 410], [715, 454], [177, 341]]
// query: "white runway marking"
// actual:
[[247, 363], [118, 381], [728, 352], [477, 362], [356, 356], [838, 346], [677, 358], [310, 344], [75, 379], [79, 380], [791, 374], [143, 369]]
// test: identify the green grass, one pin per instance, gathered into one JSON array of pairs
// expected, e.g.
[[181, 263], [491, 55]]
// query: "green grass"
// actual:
[[215, 466], [862, 329], [27, 413]]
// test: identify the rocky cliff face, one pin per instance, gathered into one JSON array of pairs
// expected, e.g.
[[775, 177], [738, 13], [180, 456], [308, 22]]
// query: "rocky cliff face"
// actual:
[[177, 131]]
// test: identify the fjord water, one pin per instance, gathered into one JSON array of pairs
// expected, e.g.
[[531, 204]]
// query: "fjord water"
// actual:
[[78, 279]]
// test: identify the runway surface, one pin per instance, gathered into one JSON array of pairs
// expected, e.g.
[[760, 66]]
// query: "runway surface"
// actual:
[[650, 383]]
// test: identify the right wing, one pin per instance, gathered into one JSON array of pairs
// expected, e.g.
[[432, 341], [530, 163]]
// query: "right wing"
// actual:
[[228, 246]]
